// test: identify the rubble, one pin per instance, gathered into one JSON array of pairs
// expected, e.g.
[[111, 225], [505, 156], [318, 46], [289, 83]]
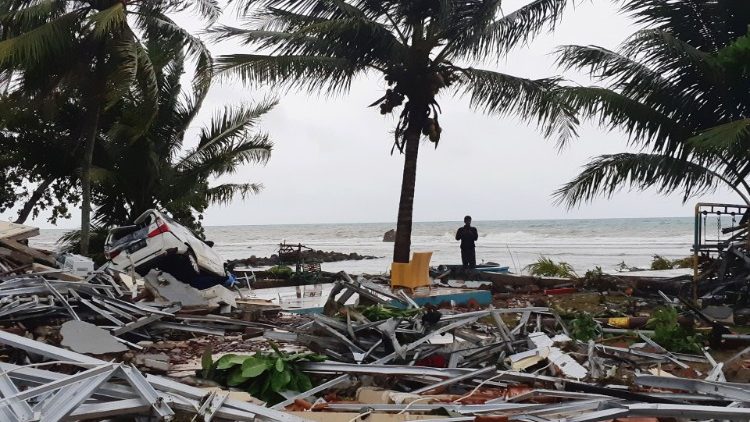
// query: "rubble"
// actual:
[[110, 345]]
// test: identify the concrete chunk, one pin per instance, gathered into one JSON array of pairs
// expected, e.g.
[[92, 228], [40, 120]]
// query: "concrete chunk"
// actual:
[[82, 337]]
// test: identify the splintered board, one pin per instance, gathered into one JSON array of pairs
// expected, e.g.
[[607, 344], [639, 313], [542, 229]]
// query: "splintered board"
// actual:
[[13, 231]]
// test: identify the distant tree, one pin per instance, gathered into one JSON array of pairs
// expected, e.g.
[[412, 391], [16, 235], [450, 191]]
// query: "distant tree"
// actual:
[[95, 49], [38, 155], [155, 169], [417, 46], [680, 90]]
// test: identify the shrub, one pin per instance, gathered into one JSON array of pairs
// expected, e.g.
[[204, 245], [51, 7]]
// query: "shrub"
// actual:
[[545, 267]]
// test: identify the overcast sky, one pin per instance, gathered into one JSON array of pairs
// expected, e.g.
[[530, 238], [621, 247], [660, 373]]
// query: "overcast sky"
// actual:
[[331, 161]]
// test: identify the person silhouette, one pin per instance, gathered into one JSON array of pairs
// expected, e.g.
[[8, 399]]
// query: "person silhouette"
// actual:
[[468, 235]]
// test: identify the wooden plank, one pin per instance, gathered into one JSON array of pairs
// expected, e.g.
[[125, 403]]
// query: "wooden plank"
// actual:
[[13, 231], [61, 275], [20, 247], [15, 256]]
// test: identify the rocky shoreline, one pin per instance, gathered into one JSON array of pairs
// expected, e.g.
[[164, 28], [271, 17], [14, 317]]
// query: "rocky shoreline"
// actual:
[[308, 256]]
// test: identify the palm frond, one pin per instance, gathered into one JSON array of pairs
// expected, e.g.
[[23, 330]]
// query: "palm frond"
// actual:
[[42, 43], [615, 111], [225, 193], [732, 137], [227, 157], [108, 21], [607, 174], [503, 34], [29, 16], [707, 25], [208, 9], [227, 127], [535, 100], [668, 53], [322, 74], [122, 78], [147, 81], [159, 25]]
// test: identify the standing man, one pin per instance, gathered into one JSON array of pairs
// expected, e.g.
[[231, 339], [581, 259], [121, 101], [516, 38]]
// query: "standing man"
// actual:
[[468, 235]]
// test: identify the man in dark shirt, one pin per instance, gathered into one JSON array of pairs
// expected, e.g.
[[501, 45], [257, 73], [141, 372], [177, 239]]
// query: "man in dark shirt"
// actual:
[[467, 235]]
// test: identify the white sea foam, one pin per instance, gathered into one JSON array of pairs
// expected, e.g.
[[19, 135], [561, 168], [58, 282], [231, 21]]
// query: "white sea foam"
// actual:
[[582, 243]]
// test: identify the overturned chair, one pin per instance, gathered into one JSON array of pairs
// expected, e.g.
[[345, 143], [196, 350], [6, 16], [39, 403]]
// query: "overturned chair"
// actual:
[[414, 274]]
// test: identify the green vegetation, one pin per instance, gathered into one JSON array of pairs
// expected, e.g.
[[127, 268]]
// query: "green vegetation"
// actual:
[[669, 334], [584, 328], [382, 312], [595, 275], [661, 263], [680, 89], [264, 375], [545, 267], [106, 129], [421, 48], [281, 271], [93, 55]]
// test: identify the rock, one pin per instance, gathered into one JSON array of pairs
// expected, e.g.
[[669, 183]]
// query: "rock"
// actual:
[[156, 361], [389, 236], [309, 256]]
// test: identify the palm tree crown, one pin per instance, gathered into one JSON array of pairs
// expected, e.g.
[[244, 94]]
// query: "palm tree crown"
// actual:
[[155, 170], [94, 49], [418, 46], [680, 90]]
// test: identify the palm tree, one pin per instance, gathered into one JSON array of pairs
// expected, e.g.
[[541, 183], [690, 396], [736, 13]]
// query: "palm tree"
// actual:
[[93, 47], [153, 170], [416, 45], [680, 90]]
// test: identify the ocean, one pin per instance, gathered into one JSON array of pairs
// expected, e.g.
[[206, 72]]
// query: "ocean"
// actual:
[[584, 244]]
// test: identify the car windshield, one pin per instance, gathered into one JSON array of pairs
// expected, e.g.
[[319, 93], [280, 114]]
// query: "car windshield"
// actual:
[[127, 236]]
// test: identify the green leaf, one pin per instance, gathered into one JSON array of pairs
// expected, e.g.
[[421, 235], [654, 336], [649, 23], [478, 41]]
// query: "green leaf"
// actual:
[[279, 380], [303, 382], [317, 358], [236, 378], [266, 386], [109, 21], [280, 365], [228, 361], [294, 380], [252, 367]]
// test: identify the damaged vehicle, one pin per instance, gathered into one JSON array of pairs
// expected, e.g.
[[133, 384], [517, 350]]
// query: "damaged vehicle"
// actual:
[[157, 241]]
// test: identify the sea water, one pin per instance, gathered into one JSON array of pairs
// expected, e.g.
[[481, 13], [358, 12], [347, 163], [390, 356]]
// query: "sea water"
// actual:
[[584, 244]]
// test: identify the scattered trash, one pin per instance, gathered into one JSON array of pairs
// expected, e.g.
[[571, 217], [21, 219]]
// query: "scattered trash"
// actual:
[[600, 348]]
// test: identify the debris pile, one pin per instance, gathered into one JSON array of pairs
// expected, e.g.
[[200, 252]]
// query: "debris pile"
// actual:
[[116, 345], [725, 260]]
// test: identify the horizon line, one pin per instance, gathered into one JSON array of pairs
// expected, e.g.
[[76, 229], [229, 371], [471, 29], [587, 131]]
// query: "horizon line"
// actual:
[[415, 222]]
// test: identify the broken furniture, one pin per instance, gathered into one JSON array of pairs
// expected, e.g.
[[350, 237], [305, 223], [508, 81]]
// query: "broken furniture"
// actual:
[[414, 274]]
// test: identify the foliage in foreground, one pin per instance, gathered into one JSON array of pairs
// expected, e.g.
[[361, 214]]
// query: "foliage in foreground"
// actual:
[[584, 327], [380, 312], [545, 267], [262, 375], [669, 334]]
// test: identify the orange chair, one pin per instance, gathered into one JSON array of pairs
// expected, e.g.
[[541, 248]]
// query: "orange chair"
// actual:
[[414, 274]]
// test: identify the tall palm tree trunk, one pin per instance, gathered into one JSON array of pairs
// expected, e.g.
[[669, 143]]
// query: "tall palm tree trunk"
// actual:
[[402, 247], [88, 157]]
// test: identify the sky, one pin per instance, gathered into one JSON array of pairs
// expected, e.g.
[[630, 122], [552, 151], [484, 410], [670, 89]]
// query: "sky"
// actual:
[[331, 161]]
